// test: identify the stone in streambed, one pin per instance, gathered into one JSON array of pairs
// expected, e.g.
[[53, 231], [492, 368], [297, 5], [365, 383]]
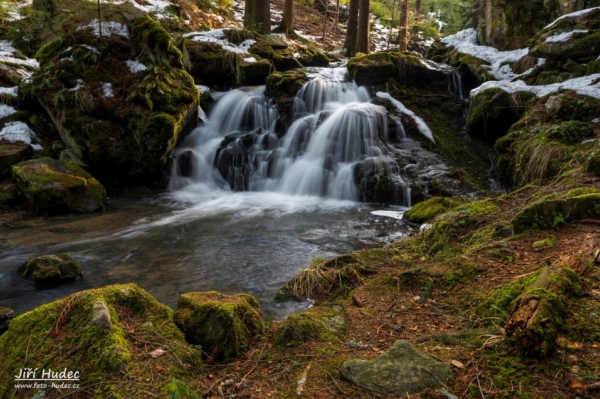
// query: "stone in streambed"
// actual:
[[49, 270], [400, 371]]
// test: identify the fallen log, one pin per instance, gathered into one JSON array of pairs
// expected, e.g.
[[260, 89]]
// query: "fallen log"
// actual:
[[541, 310]]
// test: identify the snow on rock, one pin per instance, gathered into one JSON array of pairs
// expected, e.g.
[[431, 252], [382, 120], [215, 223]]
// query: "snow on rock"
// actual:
[[6, 49], [421, 125], [107, 90], [18, 132], [11, 91], [585, 85], [78, 86], [7, 56], [250, 59], [218, 36], [203, 89], [564, 37], [573, 14], [135, 66], [465, 41], [6, 110], [108, 28]]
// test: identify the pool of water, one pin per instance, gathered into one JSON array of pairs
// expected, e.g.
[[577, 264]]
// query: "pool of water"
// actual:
[[195, 240]]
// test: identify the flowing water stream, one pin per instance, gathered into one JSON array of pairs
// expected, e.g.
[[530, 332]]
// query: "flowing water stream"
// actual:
[[247, 207]]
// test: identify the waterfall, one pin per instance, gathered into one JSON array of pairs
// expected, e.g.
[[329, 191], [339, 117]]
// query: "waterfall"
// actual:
[[333, 148]]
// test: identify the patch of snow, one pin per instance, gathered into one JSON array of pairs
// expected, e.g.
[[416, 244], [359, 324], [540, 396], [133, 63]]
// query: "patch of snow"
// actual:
[[6, 110], [564, 37], [389, 214], [573, 14], [218, 36], [30, 62], [585, 85], [18, 132], [92, 49], [203, 89], [465, 41], [108, 28], [421, 125], [78, 86], [135, 66], [107, 90], [6, 48], [250, 59], [587, 141], [595, 120], [11, 91]]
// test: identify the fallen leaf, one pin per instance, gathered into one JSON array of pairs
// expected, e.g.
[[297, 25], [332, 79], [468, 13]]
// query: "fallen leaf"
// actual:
[[158, 369], [132, 331], [422, 259], [416, 298], [457, 364], [578, 385], [415, 328], [157, 353], [565, 343], [375, 349], [596, 345]]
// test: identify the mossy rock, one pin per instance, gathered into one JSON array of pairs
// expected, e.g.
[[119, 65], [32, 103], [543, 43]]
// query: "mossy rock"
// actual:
[[6, 315], [592, 162], [324, 323], [376, 185], [210, 64], [283, 59], [582, 44], [378, 68], [551, 210], [49, 270], [493, 111], [41, 338], [13, 153], [312, 57], [122, 124], [427, 210], [223, 325], [473, 64], [252, 72], [9, 194], [10, 75], [281, 85], [58, 186]]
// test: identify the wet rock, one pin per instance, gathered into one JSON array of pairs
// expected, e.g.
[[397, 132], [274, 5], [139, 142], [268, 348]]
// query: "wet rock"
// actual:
[[403, 370], [252, 71], [50, 270], [323, 323], [9, 193], [101, 315], [6, 315], [13, 153], [185, 164], [222, 324], [58, 186], [427, 210]]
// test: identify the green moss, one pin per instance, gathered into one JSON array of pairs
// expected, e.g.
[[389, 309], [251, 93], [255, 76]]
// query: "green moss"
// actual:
[[378, 67], [475, 65], [223, 325], [429, 209], [281, 85], [41, 338], [248, 73], [48, 51], [50, 270], [325, 323], [501, 302]]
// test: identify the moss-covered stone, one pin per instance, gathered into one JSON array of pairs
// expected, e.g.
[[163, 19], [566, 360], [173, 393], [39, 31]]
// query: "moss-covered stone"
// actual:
[[473, 64], [493, 111], [281, 85], [427, 210], [49, 270], [123, 125], [59, 186], [41, 338], [253, 72], [549, 211], [6, 315], [210, 64], [377, 68], [223, 325], [325, 323]]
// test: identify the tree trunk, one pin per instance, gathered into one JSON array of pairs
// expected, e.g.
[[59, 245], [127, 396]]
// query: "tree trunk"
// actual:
[[287, 21], [362, 41], [391, 23], [326, 3], [403, 33], [99, 19], [351, 31], [418, 6], [541, 310], [257, 16], [337, 12]]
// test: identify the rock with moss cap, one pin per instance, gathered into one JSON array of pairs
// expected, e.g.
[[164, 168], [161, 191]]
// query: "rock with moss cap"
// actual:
[[324, 323], [549, 211], [571, 37], [402, 370], [12, 153], [120, 102], [49, 270], [6, 315], [427, 210], [101, 355], [222, 324], [59, 186]]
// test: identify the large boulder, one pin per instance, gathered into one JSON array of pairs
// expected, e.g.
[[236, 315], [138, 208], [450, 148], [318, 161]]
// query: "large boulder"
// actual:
[[49, 270], [403, 370], [120, 101], [222, 324], [323, 323], [12, 153], [61, 335], [574, 37], [59, 186]]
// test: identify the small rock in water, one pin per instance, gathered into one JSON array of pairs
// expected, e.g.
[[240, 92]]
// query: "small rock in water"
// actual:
[[49, 270], [101, 315]]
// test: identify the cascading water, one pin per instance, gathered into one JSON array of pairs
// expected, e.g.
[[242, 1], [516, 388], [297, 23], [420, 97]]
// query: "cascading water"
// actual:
[[333, 146]]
